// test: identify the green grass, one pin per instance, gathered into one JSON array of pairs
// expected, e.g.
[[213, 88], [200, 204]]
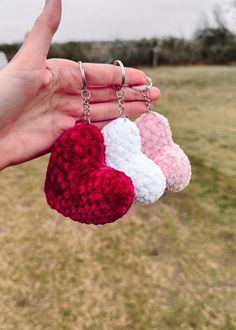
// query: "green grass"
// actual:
[[171, 265]]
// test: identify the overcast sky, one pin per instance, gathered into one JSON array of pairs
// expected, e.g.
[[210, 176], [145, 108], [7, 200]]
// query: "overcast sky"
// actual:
[[107, 19]]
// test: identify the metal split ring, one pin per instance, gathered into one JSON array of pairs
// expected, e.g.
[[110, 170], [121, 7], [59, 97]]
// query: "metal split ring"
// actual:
[[83, 76], [118, 62], [144, 87]]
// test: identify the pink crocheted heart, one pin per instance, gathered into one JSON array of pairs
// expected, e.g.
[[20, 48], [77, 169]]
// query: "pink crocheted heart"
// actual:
[[158, 145]]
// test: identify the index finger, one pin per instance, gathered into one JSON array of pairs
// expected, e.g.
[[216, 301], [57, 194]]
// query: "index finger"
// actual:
[[68, 77]]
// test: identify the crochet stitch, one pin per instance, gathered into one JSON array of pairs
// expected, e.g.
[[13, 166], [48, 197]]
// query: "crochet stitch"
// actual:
[[158, 145], [123, 152], [80, 185]]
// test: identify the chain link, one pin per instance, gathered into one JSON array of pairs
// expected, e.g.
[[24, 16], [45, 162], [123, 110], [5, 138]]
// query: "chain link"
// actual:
[[120, 94], [147, 97], [85, 94]]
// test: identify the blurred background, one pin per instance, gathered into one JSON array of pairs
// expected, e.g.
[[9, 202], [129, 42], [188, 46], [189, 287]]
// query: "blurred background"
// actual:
[[171, 265]]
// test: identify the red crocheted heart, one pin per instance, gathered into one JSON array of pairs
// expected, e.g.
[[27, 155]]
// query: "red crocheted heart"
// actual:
[[78, 183]]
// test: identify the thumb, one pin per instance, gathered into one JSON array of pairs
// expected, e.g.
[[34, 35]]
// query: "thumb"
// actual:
[[38, 40]]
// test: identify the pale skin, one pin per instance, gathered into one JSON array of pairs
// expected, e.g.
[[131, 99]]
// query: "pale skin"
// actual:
[[40, 98]]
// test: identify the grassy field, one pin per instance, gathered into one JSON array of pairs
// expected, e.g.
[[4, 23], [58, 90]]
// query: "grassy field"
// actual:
[[171, 265]]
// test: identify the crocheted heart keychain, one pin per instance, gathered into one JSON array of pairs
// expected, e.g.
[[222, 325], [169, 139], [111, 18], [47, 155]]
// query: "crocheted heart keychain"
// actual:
[[123, 152], [78, 183], [158, 145]]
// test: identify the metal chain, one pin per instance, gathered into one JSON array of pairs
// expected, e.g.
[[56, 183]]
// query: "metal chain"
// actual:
[[120, 94], [85, 94], [147, 97]]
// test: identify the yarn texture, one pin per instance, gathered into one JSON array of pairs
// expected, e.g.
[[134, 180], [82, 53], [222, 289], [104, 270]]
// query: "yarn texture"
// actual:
[[123, 152], [80, 185], [158, 145]]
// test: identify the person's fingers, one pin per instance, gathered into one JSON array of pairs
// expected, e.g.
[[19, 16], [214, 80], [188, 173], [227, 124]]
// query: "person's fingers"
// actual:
[[108, 95], [67, 77], [38, 40], [112, 75], [103, 95], [105, 111], [101, 124]]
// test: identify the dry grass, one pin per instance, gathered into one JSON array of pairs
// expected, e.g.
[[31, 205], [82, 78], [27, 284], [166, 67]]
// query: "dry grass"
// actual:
[[171, 265]]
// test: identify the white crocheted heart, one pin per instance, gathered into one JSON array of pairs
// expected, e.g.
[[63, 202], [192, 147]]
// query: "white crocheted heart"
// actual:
[[123, 152]]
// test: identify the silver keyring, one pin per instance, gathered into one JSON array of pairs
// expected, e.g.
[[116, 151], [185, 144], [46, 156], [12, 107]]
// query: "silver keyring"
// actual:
[[85, 94], [118, 62], [143, 87], [83, 76], [119, 90]]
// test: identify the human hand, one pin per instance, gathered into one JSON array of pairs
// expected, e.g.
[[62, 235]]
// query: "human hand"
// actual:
[[40, 98]]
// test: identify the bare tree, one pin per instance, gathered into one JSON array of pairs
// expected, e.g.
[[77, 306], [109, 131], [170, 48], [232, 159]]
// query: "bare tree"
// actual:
[[219, 16], [225, 13]]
